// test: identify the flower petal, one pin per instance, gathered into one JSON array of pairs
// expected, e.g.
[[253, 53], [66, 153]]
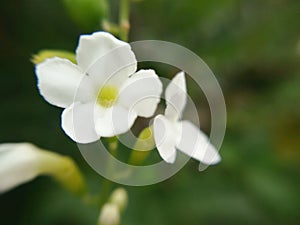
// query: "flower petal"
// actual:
[[195, 143], [109, 72], [17, 165], [105, 53], [87, 91], [166, 138], [58, 81], [176, 96], [113, 121], [141, 93], [78, 123]]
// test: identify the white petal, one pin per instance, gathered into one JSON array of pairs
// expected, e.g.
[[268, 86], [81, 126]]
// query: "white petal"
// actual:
[[113, 121], [175, 107], [78, 123], [166, 138], [195, 143], [18, 164], [109, 73], [176, 96], [178, 82], [102, 55], [87, 91], [141, 93], [58, 81]]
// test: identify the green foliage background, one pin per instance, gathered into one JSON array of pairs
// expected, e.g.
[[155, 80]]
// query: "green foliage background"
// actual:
[[253, 47]]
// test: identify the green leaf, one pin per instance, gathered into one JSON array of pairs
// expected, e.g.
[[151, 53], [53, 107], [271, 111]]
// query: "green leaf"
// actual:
[[45, 54]]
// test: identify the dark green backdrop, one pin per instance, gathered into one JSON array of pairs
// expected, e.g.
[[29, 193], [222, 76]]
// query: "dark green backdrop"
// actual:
[[253, 47]]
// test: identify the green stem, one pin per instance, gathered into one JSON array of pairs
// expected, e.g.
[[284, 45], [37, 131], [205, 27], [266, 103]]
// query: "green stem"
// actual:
[[106, 187], [107, 184], [142, 147], [91, 200], [124, 19]]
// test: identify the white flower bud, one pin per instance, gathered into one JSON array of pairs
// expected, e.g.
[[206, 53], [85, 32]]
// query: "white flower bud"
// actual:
[[22, 162], [119, 197], [110, 215]]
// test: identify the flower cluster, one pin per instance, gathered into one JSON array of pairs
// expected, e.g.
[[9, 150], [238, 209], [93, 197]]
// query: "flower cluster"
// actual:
[[103, 94]]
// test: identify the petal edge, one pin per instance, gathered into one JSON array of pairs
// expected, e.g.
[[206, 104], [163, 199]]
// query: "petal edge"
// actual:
[[58, 80]]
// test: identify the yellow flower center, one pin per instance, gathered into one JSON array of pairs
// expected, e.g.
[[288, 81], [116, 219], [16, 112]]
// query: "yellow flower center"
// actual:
[[107, 96]]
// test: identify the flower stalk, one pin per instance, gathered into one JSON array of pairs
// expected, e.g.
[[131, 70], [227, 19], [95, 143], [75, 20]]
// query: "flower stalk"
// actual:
[[124, 19], [64, 170], [143, 146], [107, 184]]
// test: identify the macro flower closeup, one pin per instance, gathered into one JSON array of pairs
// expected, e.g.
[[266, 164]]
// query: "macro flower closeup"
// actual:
[[170, 133], [103, 93]]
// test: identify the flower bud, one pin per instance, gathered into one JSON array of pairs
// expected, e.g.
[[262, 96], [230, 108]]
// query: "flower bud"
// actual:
[[119, 197], [22, 162], [109, 215]]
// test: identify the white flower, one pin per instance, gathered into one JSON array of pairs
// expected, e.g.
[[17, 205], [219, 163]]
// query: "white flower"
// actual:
[[22, 162], [103, 94], [170, 133]]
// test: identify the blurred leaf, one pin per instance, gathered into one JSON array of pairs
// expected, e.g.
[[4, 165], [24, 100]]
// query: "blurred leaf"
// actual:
[[87, 13], [45, 54]]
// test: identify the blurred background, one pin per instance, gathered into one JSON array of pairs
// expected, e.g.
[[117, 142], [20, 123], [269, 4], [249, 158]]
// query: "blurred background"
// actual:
[[253, 47]]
